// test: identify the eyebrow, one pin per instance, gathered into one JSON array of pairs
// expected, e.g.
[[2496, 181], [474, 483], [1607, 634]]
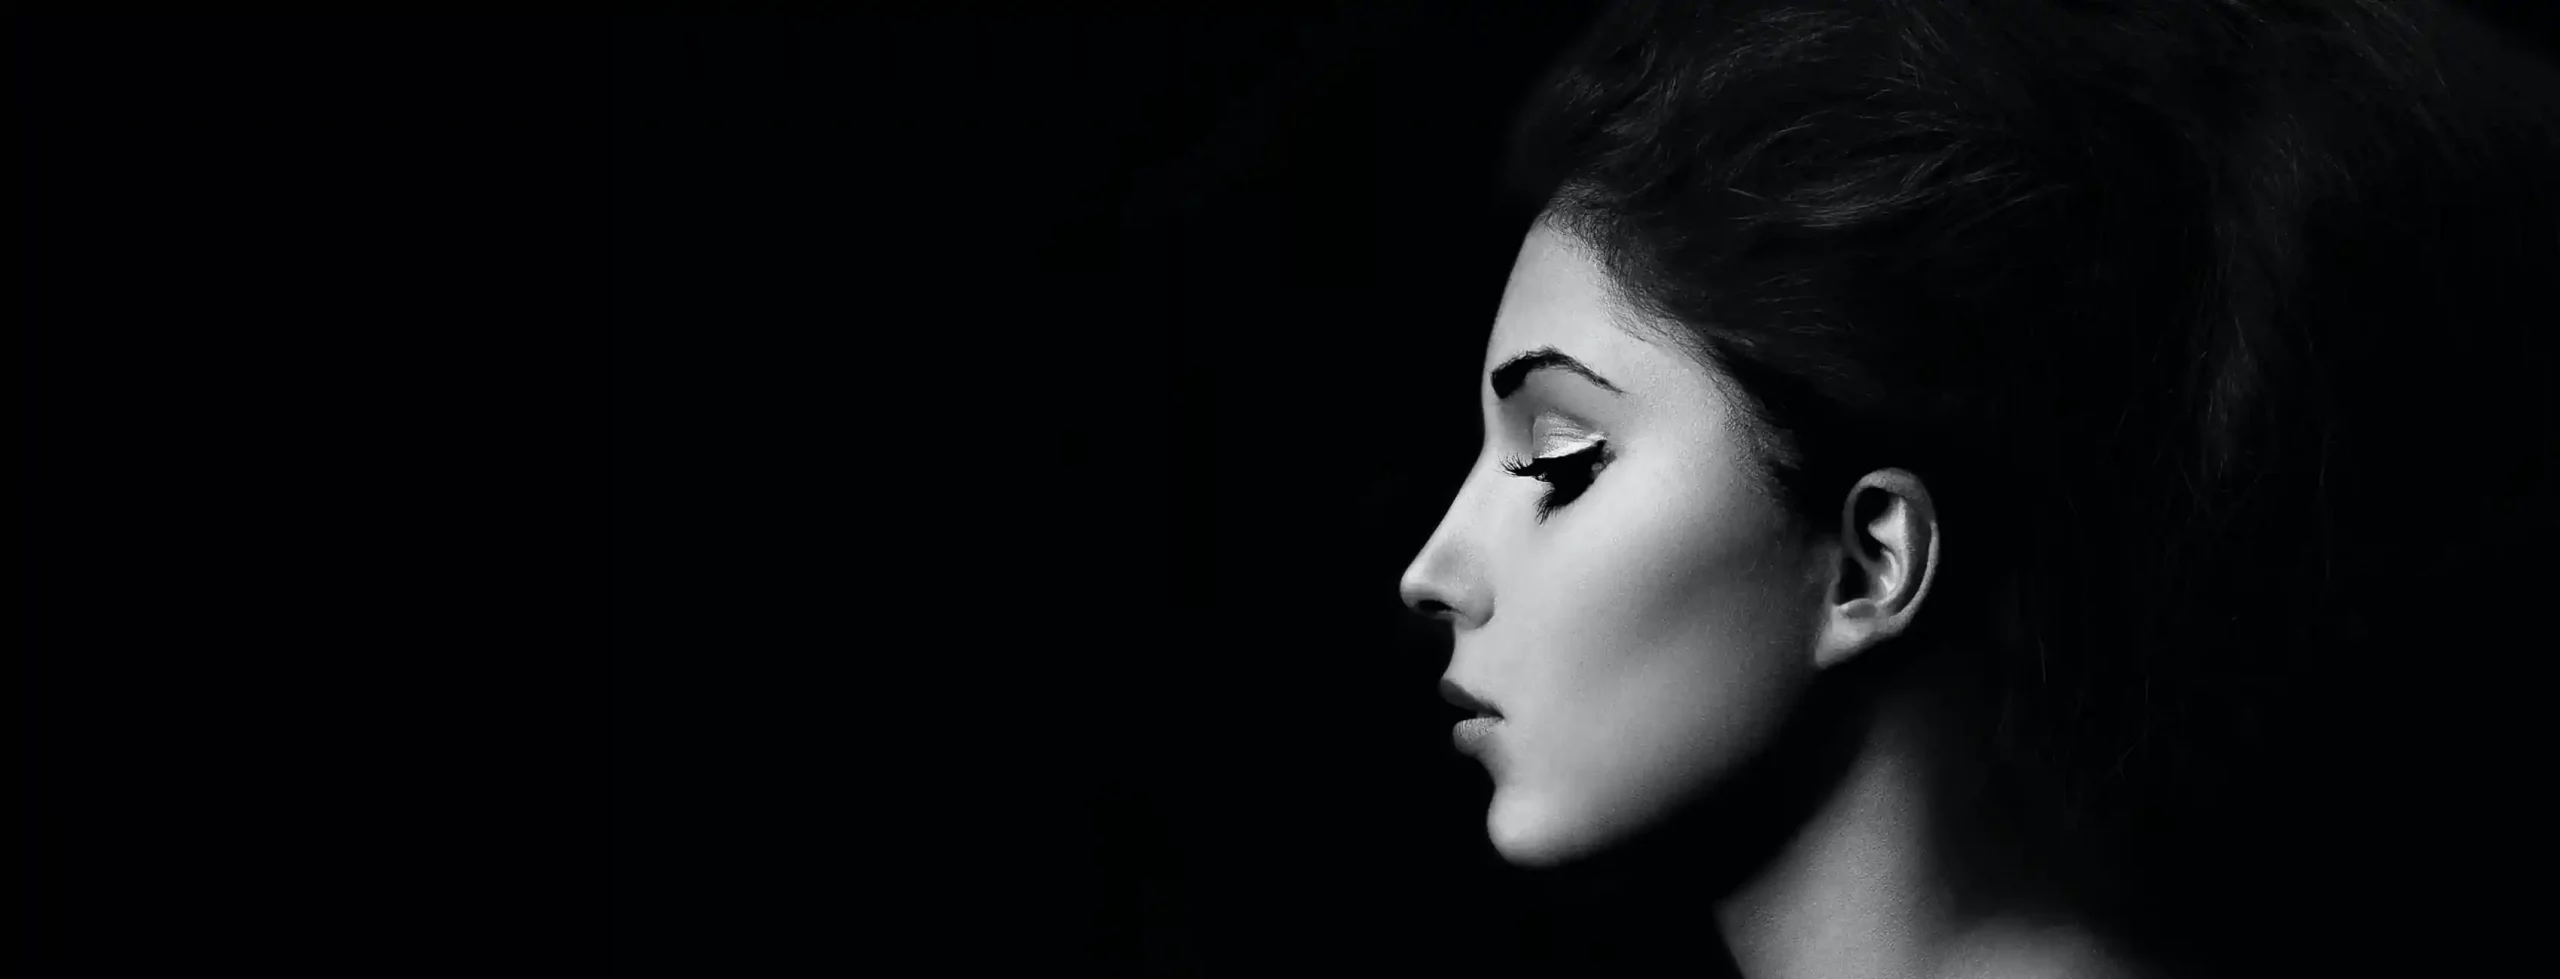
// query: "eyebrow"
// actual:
[[1508, 377]]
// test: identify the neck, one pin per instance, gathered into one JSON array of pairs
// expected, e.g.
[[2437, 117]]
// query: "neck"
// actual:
[[1854, 892], [1866, 887], [1859, 853]]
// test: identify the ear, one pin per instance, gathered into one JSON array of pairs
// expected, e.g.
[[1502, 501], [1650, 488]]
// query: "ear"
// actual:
[[1881, 570]]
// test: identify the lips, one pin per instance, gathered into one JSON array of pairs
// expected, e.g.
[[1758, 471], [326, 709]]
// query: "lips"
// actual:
[[1458, 697]]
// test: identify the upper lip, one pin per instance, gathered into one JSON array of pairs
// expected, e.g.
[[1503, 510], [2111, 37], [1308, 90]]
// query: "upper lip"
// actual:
[[1458, 696]]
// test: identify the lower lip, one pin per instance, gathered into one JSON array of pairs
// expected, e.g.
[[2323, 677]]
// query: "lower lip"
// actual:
[[1471, 734]]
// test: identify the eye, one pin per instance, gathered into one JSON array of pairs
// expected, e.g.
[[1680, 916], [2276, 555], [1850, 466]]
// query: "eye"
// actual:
[[1566, 475]]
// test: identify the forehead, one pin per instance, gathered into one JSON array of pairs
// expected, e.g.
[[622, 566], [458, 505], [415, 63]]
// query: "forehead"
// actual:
[[1559, 297]]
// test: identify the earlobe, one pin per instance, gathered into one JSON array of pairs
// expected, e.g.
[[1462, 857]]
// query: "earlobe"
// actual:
[[1885, 558]]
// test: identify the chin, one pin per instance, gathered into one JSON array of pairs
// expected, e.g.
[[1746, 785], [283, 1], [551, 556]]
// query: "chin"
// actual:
[[1531, 831]]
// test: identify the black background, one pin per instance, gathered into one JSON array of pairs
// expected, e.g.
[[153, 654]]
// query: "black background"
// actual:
[[998, 434], [1095, 378], [314, 658]]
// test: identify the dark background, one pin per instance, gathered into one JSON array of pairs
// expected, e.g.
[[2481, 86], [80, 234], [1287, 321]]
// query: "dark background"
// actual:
[[1096, 377], [1016, 424]]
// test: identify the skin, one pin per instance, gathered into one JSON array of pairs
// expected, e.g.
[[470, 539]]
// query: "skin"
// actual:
[[1642, 640], [1647, 639]]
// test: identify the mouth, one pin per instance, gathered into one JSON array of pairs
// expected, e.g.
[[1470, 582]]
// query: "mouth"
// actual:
[[1458, 697]]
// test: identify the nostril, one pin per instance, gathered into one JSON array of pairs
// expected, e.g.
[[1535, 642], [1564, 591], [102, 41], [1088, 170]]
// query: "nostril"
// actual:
[[1417, 594], [1441, 597]]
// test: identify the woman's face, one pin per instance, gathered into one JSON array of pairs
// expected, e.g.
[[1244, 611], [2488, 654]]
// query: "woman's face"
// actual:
[[1645, 632]]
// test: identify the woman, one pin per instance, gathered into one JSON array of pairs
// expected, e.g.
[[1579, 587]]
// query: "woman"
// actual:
[[1960, 478]]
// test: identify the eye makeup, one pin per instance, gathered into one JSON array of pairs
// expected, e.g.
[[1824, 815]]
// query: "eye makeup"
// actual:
[[1569, 456]]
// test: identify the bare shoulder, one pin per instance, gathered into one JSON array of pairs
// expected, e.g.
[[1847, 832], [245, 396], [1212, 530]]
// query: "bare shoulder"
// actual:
[[2050, 952]]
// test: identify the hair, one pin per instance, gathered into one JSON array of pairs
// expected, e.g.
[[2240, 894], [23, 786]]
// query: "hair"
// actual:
[[2202, 320]]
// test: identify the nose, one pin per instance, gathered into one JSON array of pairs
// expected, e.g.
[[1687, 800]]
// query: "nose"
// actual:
[[1420, 596], [1445, 582]]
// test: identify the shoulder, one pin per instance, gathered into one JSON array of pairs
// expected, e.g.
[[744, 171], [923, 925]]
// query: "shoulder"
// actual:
[[2043, 952]]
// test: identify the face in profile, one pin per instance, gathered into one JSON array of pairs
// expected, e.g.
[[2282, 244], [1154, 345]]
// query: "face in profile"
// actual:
[[1633, 616]]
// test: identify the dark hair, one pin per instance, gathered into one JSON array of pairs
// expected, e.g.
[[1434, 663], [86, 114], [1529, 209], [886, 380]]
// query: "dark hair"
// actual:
[[2178, 307]]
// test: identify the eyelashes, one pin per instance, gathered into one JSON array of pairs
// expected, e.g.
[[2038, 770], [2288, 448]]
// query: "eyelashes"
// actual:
[[1566, 475]]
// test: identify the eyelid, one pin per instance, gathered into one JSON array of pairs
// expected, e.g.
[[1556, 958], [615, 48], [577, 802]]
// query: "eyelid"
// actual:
[[1554, 434]]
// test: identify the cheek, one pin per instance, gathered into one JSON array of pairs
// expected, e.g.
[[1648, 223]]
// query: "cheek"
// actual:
[[1664, 649], [1674, 675], [1665, 591]]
